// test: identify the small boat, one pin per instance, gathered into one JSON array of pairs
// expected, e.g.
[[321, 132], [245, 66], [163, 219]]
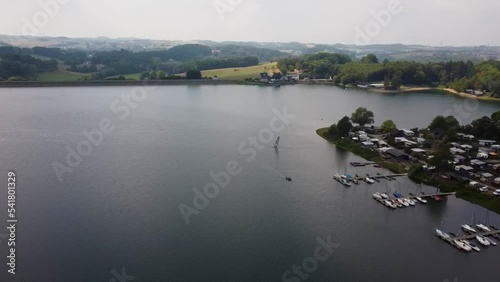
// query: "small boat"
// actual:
[[402, 202], [390, 204], [337, 177], [421, 200], [345, 183], [469, 229], [492, 242], [355, 181], [276, 144], [406, 203], [437, 198], [288, 179], [483, 240], [377, 196], [397, 203], [474, 247], [397, 195], [463, 246], [369, 180], [483, 227], [442, 235], [411, 202], [384, 195], [356, 164]]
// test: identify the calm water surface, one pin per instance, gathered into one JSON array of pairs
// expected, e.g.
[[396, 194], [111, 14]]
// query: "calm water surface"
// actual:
[[119, 207]]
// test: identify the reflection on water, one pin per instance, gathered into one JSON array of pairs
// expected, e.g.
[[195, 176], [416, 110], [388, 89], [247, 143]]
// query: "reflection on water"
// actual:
[[119, 208]]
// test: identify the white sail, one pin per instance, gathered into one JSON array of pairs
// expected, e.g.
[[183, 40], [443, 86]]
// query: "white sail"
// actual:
[[276, 143]]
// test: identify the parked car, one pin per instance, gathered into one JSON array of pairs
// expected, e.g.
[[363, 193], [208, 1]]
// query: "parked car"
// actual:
[[473, 184], [484, 189]]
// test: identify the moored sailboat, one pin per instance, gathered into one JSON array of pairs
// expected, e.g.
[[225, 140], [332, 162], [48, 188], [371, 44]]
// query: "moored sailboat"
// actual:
[[276, 144]]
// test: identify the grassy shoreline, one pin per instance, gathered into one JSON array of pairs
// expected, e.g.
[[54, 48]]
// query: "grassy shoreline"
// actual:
[[364, 153], [417, 176], [440, 89], [88, 83], [67, 82]]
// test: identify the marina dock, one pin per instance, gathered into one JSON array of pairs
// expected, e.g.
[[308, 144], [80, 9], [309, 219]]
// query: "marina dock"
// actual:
[[468, 236], [432, 195]]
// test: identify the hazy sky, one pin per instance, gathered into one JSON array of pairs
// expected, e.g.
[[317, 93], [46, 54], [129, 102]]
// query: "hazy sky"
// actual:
[[430, 22]]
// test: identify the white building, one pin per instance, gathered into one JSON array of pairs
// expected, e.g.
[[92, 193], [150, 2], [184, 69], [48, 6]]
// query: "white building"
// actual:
[[408, 133]]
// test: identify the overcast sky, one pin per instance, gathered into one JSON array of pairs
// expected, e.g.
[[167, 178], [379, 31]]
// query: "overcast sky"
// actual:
[[429, 22]]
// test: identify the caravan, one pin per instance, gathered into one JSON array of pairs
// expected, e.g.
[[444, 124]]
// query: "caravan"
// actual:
[[482, 155]]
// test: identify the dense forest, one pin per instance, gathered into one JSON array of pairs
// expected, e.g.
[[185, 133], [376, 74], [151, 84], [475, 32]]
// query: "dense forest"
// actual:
[[23, 67], [103, 64], [458, 75]]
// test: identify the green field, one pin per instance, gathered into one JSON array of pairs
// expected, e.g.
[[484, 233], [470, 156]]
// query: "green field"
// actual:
[[62, 74], [59, 75], [241, 73]]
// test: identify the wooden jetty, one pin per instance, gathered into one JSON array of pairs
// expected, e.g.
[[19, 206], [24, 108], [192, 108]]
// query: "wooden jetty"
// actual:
[[451, 239], [432, 195], [472, 236], [361, 164]]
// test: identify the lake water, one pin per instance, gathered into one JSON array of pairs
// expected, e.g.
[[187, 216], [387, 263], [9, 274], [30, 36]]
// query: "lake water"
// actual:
[[119, 207]]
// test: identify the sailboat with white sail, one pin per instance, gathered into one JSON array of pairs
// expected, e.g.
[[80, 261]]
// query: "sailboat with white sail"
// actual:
[[276, 144]]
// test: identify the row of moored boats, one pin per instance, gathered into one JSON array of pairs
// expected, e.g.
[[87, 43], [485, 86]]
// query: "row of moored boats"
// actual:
[[384, 199], [467, 245], [347, 180]]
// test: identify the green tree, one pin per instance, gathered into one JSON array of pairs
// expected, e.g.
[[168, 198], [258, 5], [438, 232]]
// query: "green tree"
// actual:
[[333, 130], [369, 59], [495, 117], [344, 126], [444, 128], [145, 76], [485, 128], [396, 81], [153, 75], [442, 156], [363, 116], [193, 74], [389, 126], [162, 74]]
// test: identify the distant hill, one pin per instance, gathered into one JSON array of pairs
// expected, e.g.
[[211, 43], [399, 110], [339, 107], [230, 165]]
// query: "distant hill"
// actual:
[[265, 51]]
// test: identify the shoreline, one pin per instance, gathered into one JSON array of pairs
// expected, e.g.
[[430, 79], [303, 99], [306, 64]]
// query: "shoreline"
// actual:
[[404, 90], [464, 193], [90, 83], [426, 89]]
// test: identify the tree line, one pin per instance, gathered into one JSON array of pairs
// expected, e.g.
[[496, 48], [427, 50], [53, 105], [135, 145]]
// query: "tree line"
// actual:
[[100, 65], [459, 75], [23, 67]]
